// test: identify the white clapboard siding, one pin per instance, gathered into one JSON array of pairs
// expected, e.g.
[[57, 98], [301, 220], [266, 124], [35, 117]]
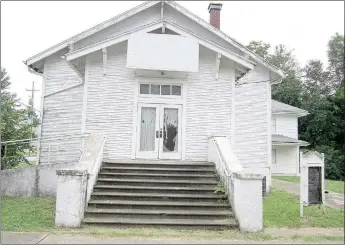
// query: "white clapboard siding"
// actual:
[[110, 101], [286, 160], [208, 104], [144, 17], [287, 125], [58, 73], [62, 114], [251, 119]]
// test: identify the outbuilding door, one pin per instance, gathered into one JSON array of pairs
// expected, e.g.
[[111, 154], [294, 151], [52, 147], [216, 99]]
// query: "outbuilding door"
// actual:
[[159, 131], [314, 183]]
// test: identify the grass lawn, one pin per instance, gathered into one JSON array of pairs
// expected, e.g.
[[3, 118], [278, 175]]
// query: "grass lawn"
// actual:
[[24, 164], [331, 185], [27, 214], [281, 209]]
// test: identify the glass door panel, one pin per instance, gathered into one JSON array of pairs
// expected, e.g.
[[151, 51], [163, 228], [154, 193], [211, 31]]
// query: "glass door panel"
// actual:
[[148, 126], [170, 130], [147, 129], [170, 125]]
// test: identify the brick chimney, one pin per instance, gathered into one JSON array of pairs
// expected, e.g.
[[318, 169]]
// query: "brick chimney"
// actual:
[[214, 10]]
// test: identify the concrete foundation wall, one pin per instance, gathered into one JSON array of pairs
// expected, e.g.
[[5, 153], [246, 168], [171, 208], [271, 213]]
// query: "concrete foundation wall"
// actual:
[[18, 182], [31, 181]]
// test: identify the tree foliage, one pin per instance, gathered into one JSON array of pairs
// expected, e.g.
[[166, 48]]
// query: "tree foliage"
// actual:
[[336, 59], [16, 124], [320, 91]]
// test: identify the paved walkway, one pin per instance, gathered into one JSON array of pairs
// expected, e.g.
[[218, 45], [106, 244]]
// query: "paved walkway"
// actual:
[[333, 200], [46, 238]]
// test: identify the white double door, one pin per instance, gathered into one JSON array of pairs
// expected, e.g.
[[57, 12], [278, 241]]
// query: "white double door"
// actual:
[[159, 131]]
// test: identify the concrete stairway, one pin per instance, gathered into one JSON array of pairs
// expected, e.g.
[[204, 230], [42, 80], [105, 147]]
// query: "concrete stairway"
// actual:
[[164, 194]]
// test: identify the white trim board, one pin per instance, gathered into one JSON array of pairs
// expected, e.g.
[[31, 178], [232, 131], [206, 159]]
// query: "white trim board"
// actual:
[[159, 100], [112, 41], [85, 91]]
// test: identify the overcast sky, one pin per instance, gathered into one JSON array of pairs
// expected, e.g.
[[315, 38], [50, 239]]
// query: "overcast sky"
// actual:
[[28, 28]]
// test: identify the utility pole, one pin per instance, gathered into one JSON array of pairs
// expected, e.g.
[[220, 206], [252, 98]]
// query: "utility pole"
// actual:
[[32, 90], [32, 94]]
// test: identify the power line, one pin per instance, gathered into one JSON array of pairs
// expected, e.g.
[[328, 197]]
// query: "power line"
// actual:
[[28, 106]]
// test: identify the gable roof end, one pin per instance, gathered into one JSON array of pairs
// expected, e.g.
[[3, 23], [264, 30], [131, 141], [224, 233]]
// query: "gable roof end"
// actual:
[[281, 108], [140, 8]]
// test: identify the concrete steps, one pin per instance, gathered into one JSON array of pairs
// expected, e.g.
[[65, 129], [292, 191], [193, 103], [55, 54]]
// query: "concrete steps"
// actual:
[[153, 182], [180, 223], [156, 196], [156, 214], [200, 170], [158, 176], [154, 189], [161, 164], [157, 193]]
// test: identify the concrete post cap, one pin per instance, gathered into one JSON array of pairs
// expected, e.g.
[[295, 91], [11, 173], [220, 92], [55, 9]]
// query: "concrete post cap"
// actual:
[[216, 135], [72, 171], [248, 176]]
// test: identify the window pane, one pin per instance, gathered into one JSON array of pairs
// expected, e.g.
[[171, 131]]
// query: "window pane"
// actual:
[[176, 90], [155, 89], [144, 88], [165, 89], [273, 123]]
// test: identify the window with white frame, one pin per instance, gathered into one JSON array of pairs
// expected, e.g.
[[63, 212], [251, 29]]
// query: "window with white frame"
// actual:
[[274, 156], [161, 89], [273, 124]]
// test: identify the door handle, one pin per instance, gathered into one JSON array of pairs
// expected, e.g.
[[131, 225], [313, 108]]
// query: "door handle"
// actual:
[[160, 133], [157, 134]]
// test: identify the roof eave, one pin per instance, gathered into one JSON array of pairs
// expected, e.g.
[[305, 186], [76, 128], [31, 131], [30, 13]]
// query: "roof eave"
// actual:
[[297, 114], [300, 143]]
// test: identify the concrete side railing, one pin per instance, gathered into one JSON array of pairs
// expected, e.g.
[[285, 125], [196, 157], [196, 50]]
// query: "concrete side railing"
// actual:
[[244, 190], [91, 159], [74, 185]]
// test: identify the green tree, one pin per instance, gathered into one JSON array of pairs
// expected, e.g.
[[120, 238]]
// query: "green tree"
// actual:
[[336, 59], [319, 91], [317, 82], [260, 48], [289, 90], [16, 124]]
